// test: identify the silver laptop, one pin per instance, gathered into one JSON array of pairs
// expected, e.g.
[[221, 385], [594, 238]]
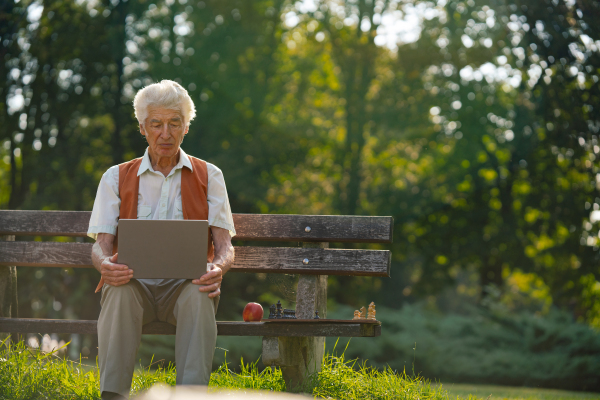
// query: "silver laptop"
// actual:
[[163, 249]]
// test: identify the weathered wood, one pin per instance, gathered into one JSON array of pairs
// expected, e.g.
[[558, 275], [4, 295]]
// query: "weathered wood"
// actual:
[[300, 357], [46, 254], [321, 321], [8, 290], [274, 227], [313, 228], [312, 290], [287, 260], [224, 328], [297, 357], [43, 223], [308, 329]]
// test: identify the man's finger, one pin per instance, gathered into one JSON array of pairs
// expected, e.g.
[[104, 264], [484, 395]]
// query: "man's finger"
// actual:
[[211, 279], [112, 280], [113, 273], [215, 293], [209, 288], [113, 266], [202, 281], [118, 281], [209, 275], [122, 281], [109, 272]]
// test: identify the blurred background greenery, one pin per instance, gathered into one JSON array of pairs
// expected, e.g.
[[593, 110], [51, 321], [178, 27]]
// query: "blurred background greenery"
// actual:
[[473, 123]]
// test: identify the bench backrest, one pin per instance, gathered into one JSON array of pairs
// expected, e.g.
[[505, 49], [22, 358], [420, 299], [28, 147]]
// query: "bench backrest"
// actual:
[[249, 227]]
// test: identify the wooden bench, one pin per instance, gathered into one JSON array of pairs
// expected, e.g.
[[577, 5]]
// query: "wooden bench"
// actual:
[[295, 346]]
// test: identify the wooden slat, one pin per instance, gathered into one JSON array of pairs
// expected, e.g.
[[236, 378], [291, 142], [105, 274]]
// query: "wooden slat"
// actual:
[[53, 223], [320, 321], [298, 330], [320, 261], [247, 258], [273, 227], [46, 254], [323, 228], [224, 328]]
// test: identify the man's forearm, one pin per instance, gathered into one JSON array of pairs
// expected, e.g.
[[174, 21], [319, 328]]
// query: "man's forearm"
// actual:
[[225, 260], [102, 249], [224, 252]]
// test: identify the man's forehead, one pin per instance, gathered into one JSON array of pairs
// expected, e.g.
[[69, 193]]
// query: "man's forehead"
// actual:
[[163, 114]]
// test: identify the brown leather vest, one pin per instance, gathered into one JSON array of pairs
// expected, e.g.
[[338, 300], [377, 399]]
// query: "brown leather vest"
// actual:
[[194, 191]]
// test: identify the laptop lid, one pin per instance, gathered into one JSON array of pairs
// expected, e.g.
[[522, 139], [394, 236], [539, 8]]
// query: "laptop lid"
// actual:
[[163, 249]]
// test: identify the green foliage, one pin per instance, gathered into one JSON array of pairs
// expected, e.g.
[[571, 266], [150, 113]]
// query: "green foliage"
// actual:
[[485, 345], [348, 379], [145, 378], [248, 377], [30, 374]]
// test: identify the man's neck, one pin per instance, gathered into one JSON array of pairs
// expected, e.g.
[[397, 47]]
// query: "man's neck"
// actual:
[[163, 165]]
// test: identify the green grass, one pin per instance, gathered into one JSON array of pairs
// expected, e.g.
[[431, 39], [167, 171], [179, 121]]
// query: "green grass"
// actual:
[[513, 393], [31, 374]]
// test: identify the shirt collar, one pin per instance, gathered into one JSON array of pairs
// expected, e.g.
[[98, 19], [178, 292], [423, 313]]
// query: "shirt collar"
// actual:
[[184, 161]]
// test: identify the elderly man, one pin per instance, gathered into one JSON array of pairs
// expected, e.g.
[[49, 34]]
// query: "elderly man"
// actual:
[[165, 183]]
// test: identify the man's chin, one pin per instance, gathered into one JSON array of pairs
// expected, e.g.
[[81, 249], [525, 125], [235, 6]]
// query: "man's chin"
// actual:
[[166, 151]]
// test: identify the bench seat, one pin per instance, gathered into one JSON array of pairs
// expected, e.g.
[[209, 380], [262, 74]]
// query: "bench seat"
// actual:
[[306, 328]]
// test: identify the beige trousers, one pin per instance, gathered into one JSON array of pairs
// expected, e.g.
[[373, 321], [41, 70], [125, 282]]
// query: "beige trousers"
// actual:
[[126, 308]]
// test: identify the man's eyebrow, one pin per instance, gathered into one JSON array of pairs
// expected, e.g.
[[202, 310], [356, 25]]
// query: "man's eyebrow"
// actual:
[[176, 119]]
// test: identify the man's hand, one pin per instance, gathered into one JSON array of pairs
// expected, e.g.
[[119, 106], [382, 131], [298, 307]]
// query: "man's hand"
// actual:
[[224, 255], [114, 274], [212, 281]]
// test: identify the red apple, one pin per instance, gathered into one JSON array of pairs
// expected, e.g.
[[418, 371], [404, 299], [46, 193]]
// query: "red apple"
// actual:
[[252, 312]]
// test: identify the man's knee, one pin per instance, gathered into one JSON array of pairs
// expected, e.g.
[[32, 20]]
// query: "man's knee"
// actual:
[[126, 293], [193, 299], [193, 295]]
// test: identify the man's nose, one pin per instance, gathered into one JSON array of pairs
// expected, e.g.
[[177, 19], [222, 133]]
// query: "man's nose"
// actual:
[[164, 132]]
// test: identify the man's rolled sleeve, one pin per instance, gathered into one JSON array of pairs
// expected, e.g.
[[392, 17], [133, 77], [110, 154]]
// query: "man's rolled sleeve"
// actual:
[[105, 214], [219, 210]]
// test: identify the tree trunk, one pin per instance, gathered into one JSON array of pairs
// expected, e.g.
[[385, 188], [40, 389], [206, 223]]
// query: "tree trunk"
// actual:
[[117, 41]]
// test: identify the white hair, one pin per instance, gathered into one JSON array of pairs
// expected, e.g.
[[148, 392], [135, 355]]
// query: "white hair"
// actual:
[[166, 94]]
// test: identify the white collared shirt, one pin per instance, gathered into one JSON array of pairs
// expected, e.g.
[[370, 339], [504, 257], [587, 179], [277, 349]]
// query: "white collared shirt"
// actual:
[[159, 197]]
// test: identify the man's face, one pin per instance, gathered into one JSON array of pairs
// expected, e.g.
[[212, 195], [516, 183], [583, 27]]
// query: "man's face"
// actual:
[[164, 130]]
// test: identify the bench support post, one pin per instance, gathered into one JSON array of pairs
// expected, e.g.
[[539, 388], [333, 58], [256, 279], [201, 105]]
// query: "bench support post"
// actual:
[[301, 357], [8, 292]]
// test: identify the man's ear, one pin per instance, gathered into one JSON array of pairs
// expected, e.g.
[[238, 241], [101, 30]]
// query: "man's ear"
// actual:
[[187, 129], [142, 130]]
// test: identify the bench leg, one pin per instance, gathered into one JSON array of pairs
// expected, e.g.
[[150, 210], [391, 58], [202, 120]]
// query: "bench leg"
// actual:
[[300, 357], [8, 292]]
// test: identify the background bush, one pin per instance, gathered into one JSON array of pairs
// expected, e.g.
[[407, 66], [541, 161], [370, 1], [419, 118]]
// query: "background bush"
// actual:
[[485, 345]]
